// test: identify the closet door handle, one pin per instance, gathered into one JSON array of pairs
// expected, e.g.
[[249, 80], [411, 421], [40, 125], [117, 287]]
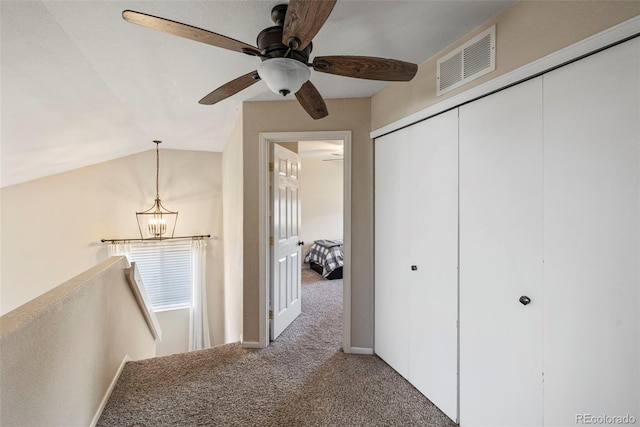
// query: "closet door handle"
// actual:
[[524, 300]]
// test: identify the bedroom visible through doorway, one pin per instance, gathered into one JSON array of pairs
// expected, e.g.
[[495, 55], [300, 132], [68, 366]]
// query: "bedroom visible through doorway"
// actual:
[[322, 196], [307, 224], [317, 169]]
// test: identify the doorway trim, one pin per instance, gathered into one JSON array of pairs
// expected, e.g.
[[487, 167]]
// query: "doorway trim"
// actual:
[[266, 138]]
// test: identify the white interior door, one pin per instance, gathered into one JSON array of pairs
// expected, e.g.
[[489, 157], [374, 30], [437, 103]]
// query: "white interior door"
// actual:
[[592, 237], [501, 249], [286, 289]]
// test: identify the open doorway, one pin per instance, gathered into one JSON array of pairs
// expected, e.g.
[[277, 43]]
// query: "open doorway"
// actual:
[[338, 149], [322, 219], [306, 212]]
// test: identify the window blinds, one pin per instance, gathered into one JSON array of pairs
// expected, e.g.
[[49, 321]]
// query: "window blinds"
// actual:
[[165, 268]]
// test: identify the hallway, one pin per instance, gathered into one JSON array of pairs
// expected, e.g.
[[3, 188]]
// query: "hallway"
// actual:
[[303, 378]]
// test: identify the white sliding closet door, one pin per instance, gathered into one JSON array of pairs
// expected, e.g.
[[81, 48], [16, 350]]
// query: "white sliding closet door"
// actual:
[[416, 225], [392, 249], [433, 194], [592, 237], [501, 244]]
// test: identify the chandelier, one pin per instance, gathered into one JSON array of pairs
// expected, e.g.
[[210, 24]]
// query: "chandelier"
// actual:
[[155, 221]]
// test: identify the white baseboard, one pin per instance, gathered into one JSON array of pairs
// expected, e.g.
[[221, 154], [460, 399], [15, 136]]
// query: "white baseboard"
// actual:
[[251, 344], [105, 399], [361, 350]]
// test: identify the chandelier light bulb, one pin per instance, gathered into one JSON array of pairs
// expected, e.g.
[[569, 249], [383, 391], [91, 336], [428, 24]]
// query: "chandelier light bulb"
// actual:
[[157, 225]]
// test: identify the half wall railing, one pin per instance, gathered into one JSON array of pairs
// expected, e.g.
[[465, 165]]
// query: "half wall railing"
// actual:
[[61, 353]]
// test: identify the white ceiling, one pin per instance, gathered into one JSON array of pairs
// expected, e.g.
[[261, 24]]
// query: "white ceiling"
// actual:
[[321, 150], [81, 86]]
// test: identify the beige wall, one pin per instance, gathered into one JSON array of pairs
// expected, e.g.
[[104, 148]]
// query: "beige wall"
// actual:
[[527, 31], [174, 325], [321, 192], [288, 116], [51, 227], [232, 213], [60, 352], [291, 146]]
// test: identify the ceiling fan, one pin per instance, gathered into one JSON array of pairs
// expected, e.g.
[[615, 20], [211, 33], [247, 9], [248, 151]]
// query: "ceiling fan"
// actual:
[[284, 50], [340, 157]]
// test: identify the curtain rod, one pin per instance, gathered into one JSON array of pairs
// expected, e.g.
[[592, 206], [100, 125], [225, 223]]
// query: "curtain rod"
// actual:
[[203, 236]]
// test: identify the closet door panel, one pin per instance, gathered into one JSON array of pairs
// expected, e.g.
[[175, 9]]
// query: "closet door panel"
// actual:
[[592, 256], [392, 230], [501, 244], [433, 219]]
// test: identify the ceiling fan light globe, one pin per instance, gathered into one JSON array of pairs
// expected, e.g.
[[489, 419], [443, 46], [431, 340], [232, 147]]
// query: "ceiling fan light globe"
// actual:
[[284, 75]]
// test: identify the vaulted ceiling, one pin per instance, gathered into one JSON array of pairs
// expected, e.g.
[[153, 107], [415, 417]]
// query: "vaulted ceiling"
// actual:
[[82, 86]]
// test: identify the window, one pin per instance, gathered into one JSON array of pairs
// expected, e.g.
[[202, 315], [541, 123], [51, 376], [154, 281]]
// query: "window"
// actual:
[[165, 267], [173, 273]]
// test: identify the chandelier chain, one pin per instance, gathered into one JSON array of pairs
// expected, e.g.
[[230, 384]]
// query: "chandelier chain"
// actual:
[[157, 170]]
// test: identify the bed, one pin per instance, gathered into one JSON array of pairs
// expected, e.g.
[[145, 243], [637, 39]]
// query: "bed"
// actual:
[[326, 257]]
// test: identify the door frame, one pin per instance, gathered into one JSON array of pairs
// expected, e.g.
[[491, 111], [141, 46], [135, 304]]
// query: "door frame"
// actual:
[[265, 139]]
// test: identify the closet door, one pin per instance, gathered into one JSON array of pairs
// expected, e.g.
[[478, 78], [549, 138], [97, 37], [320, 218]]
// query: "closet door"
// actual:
[[501, 244], [592, 237], [392, 251], [416, 256], [433, 295]]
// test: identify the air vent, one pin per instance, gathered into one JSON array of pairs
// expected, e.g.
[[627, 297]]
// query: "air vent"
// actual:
[[473, 59]]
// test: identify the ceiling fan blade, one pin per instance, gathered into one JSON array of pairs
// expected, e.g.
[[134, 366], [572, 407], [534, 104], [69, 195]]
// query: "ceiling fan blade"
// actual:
[[230, 88], [186, 31], [303, 21], [366, 67], [311, 100]]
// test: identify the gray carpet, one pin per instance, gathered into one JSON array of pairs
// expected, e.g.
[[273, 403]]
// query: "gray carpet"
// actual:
[[302, 379]]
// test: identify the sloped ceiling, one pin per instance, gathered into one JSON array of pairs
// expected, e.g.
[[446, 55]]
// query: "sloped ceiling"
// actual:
[[80, 86]]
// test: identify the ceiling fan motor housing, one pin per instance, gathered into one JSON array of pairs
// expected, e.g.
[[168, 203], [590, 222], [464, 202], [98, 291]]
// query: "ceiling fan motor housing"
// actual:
[[269, 40]]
